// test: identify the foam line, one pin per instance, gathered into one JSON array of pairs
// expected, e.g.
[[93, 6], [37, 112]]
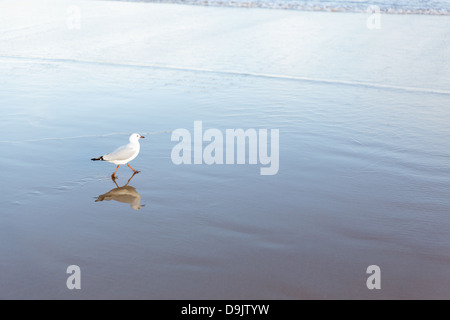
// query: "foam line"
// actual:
[[236, 73], [327, 6]]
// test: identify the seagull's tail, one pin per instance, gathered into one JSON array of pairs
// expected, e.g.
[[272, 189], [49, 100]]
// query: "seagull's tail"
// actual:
[[97, 159]]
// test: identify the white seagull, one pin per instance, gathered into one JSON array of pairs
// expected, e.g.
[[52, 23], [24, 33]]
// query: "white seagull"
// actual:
[[123, 154]]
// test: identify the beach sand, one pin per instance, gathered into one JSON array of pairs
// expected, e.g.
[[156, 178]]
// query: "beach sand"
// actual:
[[364, 164]]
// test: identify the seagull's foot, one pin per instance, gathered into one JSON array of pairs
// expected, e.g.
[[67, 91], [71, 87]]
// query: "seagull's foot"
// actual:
[[136, 171]]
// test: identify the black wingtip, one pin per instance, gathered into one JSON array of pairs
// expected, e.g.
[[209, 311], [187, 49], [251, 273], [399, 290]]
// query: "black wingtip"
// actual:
[[97, 159]]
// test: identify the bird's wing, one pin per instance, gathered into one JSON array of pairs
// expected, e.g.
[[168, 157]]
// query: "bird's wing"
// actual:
[[122, 153]]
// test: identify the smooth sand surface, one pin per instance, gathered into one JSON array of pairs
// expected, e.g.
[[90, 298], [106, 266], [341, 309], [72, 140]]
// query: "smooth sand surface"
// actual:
[[364, 164]]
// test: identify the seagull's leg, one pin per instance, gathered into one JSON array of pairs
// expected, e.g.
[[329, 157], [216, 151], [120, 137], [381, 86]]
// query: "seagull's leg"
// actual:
[[135, 171], [114, 174]]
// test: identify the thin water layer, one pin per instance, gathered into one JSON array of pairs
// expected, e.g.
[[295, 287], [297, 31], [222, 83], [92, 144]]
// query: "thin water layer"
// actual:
[[363, 177]]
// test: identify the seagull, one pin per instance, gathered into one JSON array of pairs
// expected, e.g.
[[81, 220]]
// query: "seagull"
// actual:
[[123, 154]]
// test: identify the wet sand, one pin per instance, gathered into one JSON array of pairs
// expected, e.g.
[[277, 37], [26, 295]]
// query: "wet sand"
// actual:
[[364, 139]]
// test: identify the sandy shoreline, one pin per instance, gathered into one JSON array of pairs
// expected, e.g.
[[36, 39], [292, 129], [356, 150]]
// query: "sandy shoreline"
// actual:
[[400, 53]]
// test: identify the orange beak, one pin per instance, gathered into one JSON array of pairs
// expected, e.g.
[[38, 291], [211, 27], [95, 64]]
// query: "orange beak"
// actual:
[[142, 137]]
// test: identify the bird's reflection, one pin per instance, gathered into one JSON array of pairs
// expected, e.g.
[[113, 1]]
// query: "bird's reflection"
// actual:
[[125, 194]]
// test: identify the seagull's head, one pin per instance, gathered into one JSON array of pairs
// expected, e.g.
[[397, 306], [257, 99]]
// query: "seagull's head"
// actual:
[[135, 137]]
